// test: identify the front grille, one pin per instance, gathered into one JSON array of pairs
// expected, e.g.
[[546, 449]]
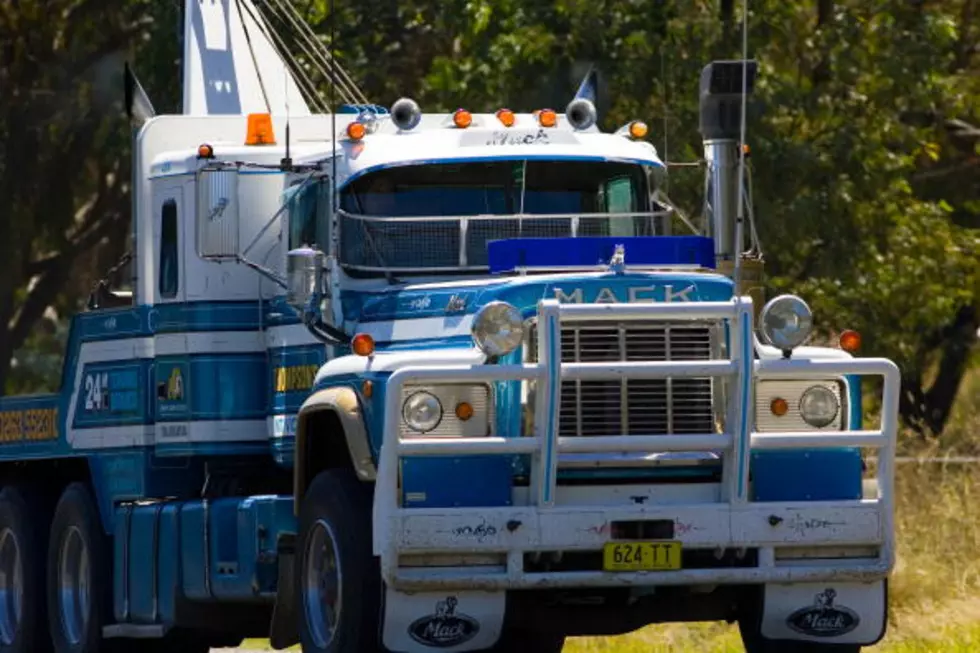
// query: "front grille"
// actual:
[[634, 407]]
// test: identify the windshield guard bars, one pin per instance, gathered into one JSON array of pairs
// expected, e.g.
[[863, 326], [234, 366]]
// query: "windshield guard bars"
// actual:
[[440, 244]]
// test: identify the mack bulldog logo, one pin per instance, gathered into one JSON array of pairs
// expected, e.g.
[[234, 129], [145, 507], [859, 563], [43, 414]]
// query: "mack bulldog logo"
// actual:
[[445, 628], [823, 618]]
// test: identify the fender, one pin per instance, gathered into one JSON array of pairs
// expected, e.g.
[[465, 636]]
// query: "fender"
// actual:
[[342, 402]]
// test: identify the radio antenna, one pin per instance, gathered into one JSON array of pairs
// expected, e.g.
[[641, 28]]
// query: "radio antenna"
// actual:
[[740, 214], [333, 110], [287, 162]]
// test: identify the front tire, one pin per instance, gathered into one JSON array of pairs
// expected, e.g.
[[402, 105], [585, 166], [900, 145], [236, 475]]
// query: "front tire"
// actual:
[[338, 582], [78, 574]]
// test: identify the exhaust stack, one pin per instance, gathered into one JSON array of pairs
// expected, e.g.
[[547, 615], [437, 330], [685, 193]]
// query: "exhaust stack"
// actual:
[[720, 126]]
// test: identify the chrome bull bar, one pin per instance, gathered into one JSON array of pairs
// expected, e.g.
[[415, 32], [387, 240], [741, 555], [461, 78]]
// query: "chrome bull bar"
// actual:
[[734, 522]]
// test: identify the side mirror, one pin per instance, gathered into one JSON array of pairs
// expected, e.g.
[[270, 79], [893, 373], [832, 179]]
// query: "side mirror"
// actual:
[[304, 271], [217, 214]]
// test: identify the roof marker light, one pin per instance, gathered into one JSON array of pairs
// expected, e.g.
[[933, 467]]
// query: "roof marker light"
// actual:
[[462, 118], [205, 151], [506, 117], [547, 118], [638, 129], [356, 131], [260, 130]]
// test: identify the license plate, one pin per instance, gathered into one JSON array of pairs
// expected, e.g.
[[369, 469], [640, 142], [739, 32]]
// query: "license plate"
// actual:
[[641, 556]]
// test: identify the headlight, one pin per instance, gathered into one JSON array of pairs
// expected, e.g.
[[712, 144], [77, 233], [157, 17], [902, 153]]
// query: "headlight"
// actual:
[[819, 406], [786, 322], [422, 412], [498, 329]]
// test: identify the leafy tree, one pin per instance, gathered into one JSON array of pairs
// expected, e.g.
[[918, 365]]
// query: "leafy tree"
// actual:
[[64, 166], [864, 142]]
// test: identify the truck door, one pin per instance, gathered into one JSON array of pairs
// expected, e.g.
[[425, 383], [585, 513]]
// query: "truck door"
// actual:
[[171, 368]]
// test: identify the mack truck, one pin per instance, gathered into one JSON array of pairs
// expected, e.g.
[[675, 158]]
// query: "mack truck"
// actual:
[[384, 379]]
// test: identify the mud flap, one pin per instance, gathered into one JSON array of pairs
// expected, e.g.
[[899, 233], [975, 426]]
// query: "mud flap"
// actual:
[[832, 613], [444, 621]]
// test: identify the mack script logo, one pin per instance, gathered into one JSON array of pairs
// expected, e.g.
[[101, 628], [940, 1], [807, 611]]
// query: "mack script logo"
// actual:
[[823, 618], [446, 627]]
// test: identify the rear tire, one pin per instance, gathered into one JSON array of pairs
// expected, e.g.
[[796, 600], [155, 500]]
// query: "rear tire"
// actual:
[[338, 582], [23, 539], [79, 576]]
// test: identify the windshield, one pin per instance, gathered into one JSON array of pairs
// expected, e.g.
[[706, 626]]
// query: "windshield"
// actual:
[[378, 231]]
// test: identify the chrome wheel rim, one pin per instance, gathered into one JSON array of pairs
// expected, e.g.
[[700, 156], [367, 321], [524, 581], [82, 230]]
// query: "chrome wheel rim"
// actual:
[[322, 580], [11, 587], [74, 583]]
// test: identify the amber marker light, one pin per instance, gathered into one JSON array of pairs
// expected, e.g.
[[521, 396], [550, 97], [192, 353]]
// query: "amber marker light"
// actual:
[[778, 407], [850, 341], [547, 118], [506, 117], [367, 389], [464, 411], [462, 118], [362, 344], [205, 151], [260, 130], [638, 129], [356, 131]]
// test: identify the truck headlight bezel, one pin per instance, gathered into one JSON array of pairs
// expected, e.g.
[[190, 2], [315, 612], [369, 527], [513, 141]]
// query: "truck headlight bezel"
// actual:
[[478, 418], [498, 328], [812, 416], [786, 322], [417, 401]]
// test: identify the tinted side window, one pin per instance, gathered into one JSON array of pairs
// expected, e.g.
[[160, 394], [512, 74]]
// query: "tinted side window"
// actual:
[[168, 250]]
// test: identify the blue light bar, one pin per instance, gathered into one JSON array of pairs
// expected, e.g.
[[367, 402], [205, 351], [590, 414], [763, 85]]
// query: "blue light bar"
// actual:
[[514, 253]]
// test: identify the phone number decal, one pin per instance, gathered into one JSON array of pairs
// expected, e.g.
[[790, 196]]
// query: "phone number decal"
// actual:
[[32, 425]]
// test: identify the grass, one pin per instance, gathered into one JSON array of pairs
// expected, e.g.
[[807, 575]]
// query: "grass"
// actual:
[[934, 599]]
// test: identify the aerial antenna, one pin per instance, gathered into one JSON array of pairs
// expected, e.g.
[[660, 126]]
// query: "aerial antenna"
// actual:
[[333, 110], [740, 211], [287, 161]]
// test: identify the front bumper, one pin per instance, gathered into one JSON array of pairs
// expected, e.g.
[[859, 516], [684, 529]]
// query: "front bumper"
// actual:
[[551, 524]]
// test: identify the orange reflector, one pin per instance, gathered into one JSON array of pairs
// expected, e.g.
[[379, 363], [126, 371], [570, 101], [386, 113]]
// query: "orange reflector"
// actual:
[[779, 407], [850, 341], [464, 411], [638, 129], [506, 117], [356, 131], [260, 130], [367, 389], [462, 118], [205, 151], [547, 118], [746, 150], [362, 344]]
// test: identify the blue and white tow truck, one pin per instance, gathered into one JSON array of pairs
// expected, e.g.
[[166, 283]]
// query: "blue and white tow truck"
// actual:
[[394, 380]]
